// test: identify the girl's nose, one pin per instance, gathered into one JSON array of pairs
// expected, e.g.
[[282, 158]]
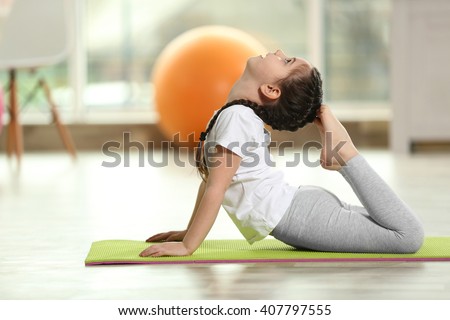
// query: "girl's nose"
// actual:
[[280, 53]]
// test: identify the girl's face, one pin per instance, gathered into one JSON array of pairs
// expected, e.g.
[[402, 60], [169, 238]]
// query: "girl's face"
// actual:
[[273, 67]]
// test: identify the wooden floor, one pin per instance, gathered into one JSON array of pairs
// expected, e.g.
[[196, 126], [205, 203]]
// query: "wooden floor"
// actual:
[[52, 209]]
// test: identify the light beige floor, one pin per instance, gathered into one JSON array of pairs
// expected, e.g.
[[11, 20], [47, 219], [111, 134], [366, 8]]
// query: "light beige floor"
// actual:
[[53, 209]]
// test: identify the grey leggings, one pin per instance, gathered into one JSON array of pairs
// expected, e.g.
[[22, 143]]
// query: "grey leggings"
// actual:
[[318, 220]]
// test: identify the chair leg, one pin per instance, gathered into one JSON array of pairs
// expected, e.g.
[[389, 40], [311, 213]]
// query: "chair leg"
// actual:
[[15, 135], [62, 129]]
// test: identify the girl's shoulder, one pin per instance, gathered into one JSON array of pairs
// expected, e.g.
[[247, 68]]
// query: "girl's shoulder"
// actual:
[[240, 111], [239, 120]]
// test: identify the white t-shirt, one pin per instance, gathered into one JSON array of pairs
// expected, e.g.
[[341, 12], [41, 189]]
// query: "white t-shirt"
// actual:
[[258, 196]]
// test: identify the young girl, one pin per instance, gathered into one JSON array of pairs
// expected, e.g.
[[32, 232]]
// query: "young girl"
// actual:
[[286, 93]]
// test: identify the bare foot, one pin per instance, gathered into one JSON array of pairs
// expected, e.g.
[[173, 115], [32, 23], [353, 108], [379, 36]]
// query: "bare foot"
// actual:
[[337, 146]]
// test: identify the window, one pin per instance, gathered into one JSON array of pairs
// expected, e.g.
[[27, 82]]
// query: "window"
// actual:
[[356, 49], [124, 39]]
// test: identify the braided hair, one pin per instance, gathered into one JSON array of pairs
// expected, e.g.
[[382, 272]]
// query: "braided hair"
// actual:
[[300, 99]]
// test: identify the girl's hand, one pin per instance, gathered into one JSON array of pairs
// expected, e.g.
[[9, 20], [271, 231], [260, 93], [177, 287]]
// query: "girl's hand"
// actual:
[[166, 249], [167, 236]]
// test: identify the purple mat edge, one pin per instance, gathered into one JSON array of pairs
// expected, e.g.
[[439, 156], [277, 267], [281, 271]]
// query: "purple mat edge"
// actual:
[[267, 261]]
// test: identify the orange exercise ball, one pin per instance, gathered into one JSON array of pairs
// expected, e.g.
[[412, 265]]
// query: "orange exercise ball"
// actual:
[[193, 75]]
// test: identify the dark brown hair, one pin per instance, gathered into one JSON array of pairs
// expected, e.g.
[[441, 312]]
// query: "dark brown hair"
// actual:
[[301, 97]]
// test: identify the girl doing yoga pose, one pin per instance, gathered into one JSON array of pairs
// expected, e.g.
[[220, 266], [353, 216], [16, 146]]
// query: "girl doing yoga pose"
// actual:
[[286, 94]]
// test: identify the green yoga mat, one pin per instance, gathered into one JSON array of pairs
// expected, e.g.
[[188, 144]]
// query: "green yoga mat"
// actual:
[[109, 252]]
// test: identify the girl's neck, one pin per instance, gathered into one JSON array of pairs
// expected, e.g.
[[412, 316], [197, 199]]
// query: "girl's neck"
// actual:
[[244, 89]]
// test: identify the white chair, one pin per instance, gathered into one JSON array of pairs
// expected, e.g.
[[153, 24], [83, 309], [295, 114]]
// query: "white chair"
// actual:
[[33, 34]]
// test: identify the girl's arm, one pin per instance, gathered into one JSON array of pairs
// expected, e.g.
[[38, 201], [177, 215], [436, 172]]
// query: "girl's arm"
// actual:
[[179, 235], [201, 192], [224, 165]]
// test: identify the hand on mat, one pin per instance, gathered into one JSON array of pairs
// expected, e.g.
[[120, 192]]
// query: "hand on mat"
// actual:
[[167, 236], [165, 249]]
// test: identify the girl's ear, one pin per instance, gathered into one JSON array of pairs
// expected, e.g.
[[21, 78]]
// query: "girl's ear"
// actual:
[[270, 91]]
